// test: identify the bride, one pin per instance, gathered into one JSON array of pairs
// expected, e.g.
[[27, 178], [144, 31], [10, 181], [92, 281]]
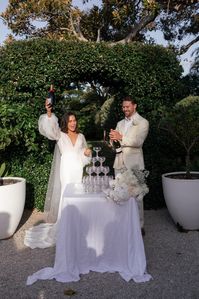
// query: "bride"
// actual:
[[70, 156]]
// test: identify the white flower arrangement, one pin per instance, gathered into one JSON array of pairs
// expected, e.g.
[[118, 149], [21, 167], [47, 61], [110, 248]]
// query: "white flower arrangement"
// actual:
[[128, 183]]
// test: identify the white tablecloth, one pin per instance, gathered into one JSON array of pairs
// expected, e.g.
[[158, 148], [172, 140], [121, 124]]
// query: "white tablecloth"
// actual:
[[96, 234]]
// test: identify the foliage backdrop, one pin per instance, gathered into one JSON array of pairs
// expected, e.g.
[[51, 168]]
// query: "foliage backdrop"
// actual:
[[151, 74]]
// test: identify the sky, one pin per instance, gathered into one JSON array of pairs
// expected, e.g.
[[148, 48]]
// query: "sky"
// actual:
[[186, 59], [3, 29]]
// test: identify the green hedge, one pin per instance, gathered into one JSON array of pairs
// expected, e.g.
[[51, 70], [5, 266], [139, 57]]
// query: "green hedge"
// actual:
[[151, 74], [36, 173]]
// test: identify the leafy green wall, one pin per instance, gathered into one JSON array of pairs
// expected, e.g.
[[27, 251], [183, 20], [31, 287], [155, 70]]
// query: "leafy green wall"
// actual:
[[151, 74]]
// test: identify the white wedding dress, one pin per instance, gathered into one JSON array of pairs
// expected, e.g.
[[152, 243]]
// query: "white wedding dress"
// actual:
[[67, 168]]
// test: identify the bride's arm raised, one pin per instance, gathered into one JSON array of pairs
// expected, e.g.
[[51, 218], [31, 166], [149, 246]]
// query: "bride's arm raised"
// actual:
[[48, 124]]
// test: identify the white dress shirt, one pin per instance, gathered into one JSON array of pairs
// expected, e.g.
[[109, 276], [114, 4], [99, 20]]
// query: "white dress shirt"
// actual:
[[128, 122]]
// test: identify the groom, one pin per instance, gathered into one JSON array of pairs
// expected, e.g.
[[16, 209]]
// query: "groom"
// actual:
[[131, 132]]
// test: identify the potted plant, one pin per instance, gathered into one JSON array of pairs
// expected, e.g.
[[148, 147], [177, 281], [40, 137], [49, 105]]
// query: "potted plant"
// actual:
[[12, 189], [12, 201], [181, 189]]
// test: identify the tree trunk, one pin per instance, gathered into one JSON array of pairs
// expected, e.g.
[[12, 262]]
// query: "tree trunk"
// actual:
[[188, 164]]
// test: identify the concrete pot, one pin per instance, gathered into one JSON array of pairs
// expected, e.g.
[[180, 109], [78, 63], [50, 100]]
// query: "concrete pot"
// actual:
[[12, 201], [182, 200]]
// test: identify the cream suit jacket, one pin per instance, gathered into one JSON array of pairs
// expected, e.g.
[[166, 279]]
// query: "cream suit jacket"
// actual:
[[132, 141]]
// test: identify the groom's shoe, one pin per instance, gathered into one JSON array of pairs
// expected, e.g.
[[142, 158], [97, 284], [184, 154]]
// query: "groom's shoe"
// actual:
[[143, 231]]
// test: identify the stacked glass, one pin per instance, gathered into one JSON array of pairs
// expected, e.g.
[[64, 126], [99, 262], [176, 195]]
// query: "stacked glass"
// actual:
[[97, 178]]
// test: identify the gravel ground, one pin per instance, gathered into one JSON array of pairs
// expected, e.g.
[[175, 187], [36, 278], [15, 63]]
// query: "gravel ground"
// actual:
[[172, 260]]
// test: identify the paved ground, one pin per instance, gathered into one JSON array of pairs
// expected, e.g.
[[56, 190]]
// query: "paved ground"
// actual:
[[172, 259]]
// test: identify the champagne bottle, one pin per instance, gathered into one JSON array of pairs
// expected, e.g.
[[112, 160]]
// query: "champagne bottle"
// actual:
[[117, 146], [51, 95]]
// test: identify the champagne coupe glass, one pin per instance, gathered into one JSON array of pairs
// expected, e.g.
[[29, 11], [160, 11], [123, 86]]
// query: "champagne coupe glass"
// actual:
[[110, 178], [103, 177], [106, 171], [97, 149], [97, 171], [89, 170], [101, 160], [86, 183], [94, 160], [103, 172]]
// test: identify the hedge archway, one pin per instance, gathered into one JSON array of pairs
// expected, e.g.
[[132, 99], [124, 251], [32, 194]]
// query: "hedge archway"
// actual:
[[146, 71], [151, 74]]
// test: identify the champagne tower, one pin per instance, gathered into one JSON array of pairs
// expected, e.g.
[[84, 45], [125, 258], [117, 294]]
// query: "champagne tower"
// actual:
[[97, 178]]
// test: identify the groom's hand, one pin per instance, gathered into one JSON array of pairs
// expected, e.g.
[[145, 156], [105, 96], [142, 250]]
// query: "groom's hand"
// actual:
[[115, 135]]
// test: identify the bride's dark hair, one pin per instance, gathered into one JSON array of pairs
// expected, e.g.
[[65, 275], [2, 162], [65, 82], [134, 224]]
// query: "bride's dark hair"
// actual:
[[64, 122]]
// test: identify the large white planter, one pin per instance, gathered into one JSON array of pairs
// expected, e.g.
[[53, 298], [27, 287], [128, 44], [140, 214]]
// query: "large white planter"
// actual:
[[12, 201], [182, 200]]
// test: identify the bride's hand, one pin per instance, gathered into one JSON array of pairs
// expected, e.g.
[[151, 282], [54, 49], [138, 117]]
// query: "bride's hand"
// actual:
[[48, 107], [87, 152]]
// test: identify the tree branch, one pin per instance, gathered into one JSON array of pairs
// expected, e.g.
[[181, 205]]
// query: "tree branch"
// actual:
[[193, 143], [169, 129], [136, 28], [98, 35], [168, 4], [78, 34], [186, 47]]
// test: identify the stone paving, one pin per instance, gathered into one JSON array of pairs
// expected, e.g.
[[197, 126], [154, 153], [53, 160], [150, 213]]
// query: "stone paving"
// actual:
[[172, 260]]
